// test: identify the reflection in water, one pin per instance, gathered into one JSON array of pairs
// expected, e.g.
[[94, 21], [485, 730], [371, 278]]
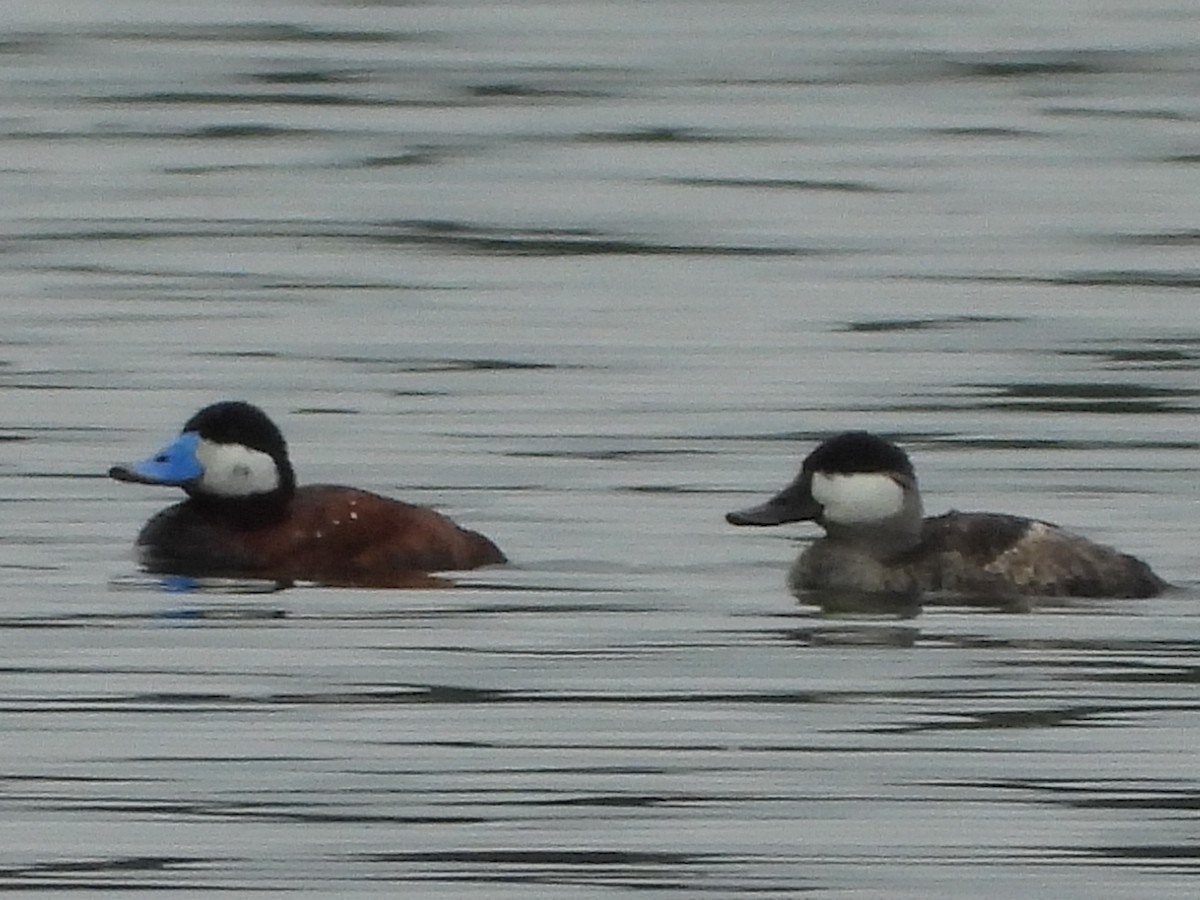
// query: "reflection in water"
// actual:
[[855, 634], [870, 720], [188, 584], [851, 604]]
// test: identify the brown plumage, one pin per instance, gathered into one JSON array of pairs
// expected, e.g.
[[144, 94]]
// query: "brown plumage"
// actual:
[[327, 534], [245, 517], [995, 554], [863, 491]]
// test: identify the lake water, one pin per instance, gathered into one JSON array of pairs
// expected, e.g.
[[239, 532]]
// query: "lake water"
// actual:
[[586, 275]]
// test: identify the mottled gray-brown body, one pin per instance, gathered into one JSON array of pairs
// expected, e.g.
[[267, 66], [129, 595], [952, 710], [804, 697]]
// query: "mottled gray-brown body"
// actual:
[[981, 555], [863, 491]]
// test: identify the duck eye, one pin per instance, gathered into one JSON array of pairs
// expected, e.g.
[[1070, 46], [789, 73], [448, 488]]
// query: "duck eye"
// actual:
[[162, 458]]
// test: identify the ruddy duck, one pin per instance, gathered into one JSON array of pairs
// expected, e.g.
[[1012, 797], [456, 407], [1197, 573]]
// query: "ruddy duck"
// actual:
[[862, 490], [246, 517]]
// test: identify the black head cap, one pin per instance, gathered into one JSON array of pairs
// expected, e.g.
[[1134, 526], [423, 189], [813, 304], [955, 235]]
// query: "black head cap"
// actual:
[[238, 422], [854, 452]]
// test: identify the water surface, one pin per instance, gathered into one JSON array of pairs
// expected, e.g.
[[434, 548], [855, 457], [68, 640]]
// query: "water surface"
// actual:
[[585, 276]]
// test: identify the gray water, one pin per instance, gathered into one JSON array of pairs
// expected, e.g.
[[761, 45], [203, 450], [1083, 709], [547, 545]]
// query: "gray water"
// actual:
[[585, 276]]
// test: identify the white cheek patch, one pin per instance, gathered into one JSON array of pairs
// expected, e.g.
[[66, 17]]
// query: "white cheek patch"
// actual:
[[858, 498], [232, 470]]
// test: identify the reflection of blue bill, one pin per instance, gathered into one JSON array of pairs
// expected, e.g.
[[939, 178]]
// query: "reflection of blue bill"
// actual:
[[186, 584], [201, 608], [178, 583], [223, 612]]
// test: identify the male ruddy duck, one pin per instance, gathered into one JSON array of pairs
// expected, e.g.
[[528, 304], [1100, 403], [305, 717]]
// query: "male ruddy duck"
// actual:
[[862, 490], [245, 516]]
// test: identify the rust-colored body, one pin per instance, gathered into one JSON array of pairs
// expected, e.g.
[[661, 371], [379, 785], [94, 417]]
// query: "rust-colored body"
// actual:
[[325, 533]]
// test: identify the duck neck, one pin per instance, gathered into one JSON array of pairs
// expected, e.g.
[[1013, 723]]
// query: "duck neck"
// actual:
[[251, 511], [886, 539]]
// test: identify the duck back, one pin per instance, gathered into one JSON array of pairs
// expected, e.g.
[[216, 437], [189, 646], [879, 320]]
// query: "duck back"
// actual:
[[327, 534], [996, 554]]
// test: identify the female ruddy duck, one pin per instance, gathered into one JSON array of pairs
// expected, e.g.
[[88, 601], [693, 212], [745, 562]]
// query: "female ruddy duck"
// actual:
[[862, 490], [246, 517]]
